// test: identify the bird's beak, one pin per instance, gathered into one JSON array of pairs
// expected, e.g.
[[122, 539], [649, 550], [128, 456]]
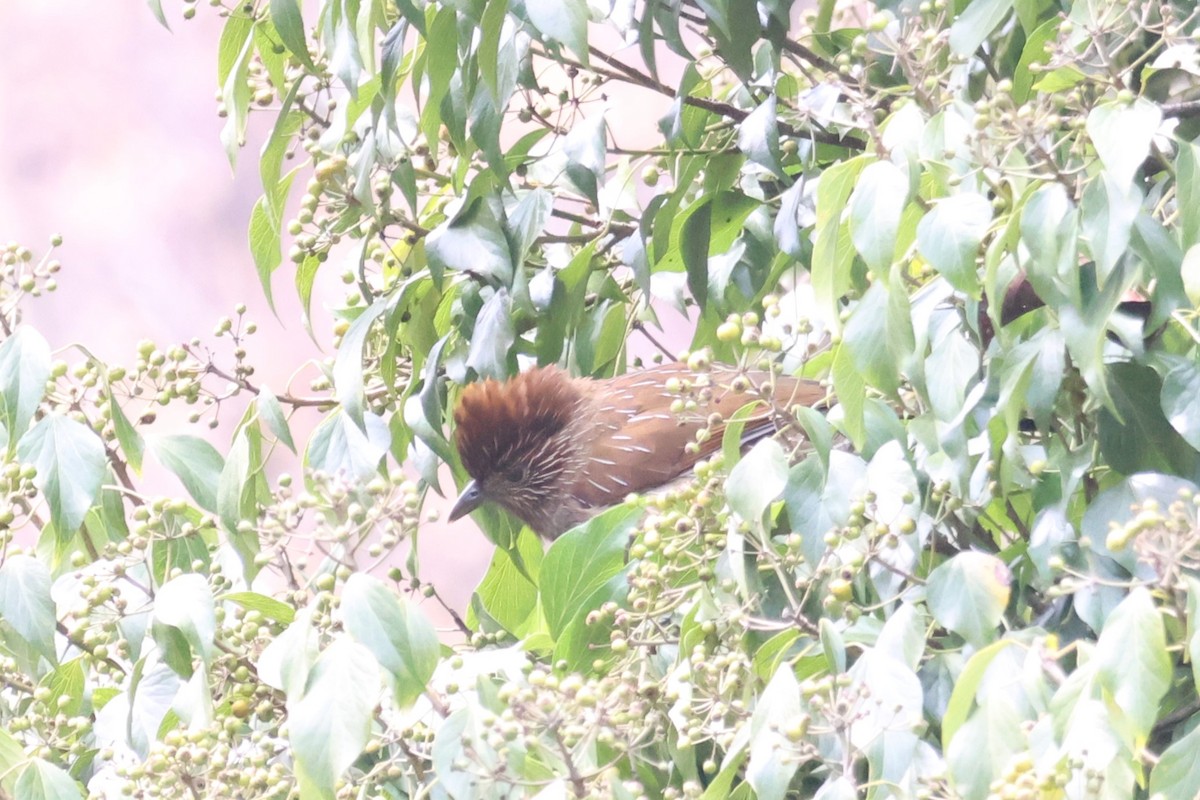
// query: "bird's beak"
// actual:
[[467, 502]]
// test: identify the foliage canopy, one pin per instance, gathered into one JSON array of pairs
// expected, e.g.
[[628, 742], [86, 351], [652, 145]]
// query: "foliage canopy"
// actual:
[[976, 577]]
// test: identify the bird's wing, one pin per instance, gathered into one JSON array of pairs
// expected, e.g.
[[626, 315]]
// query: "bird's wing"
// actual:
[[639, 444]]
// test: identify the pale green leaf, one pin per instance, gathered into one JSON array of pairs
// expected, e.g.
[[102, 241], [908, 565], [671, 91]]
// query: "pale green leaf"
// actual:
[[41, 780], [399, 636], [757, 480], [1176, 776], [195, 462], [949, 237], [330, 724], [71, 465], [286, 16], [186, 604], [580, 562], [968, 595], [24, 370], [271, 412], [339, 447], [1122, 133], [758, 137], [25, 602], [472, 241], [778, 708], [875, 209], [493, 337], [563, 21], [269, 607], [976, 23], [1132, 660]]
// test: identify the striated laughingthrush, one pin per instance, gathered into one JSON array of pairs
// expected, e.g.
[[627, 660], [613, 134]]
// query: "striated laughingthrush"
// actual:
[[555, 450]]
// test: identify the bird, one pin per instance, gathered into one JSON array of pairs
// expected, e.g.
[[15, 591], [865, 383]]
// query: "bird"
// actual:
[[555, 450]]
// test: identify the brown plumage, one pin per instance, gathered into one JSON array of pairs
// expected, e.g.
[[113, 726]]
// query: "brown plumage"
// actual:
[[556, 450]]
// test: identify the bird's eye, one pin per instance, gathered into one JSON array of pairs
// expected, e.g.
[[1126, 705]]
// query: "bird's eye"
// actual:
[[515, 474]]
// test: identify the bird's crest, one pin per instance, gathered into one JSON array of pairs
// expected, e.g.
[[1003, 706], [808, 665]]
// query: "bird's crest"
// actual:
[[498, 424]]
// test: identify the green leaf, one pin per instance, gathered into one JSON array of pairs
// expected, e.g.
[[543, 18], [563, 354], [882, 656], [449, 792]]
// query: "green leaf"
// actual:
[[397, 634], [12, 757], [330, 724], [235, 54], [1142, 439], [962, 699], [1060, 80], [286, 662], [24, 370], [968, 595], [265, 247], [1181, 388], [1122, 133], [493, 337], [1107, 213], [1189, 273], [771, 654], [1132, 661], [949, 237], [735, 26], [867, 337], [289, 23], [26, 604], [875, 209], [984, 745], [563, 21], [584, 147], [833, 251], [185, 604], [440, 60], [67, 680], [41, 780], [269, 607], [757, 480], [271, 413], [238, 29], [1187, 187], [506, 593], [132, 444], [71, 465], [306, 275], [581, 644], [528, 220], [695, 238], [976, 24], [340, 447], [1176, 776], [850, 389], [720, 787], [1193, 626], [777, 709], [195, 462], [237, 489], [581, 561], [473, 241], [1034, 52], [341, 38], [1049, 223], [156, 9], [758, 137], [490, 27], [348, 364]]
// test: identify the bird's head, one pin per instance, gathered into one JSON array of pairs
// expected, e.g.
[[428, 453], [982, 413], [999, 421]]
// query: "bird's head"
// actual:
[[514, 440]]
